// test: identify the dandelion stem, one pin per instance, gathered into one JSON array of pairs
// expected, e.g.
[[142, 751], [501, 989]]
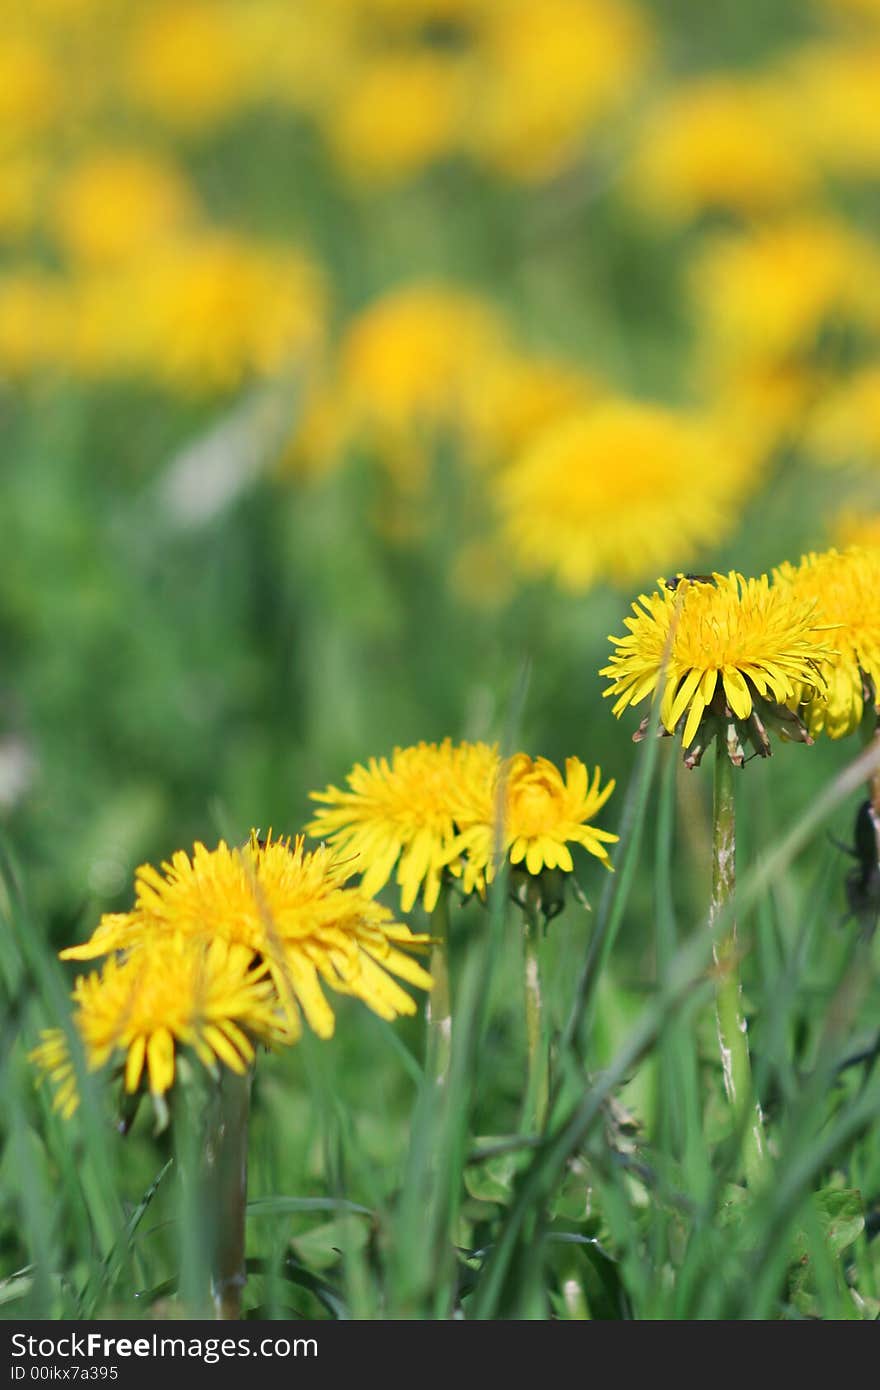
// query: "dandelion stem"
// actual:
[[732, 1034], [439, 1007], [225, 1170], [538, 1089]]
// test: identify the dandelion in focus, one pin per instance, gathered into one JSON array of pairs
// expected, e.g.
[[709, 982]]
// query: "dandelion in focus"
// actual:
[[400, 813], [726, 657]]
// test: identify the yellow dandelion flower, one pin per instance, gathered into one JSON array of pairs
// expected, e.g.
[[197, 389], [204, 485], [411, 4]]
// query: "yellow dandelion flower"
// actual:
[[289, 908], [117, 204], [406, 360], [178, 991], [186, 65], [52, 1059], [727, 650], [720, 142], [203, 313], [515, 395], [401, 812], [765, 296], [834, 94], [856, 526], [541, 815], [550, 70], [397, 115], [31, 88], [844, 425], [862, 9], [844, 588], [618, 490]]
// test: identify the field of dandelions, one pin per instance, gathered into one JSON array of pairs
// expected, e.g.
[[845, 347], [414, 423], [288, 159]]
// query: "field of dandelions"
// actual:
[[440, 659]]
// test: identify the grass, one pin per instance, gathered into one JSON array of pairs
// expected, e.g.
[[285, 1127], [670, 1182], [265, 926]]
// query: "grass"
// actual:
[[376, 1194]]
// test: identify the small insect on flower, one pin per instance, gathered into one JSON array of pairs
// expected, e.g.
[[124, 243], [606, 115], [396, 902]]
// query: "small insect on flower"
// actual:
[[692, 578]]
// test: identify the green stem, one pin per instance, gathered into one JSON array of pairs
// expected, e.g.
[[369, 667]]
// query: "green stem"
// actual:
[[732, 1035], [538, 1088], [225, 1173], [439, 1007]]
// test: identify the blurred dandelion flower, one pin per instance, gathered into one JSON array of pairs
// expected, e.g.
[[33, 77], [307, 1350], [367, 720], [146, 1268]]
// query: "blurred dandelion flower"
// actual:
[[203, 313], [118, 204], [515, 395], [844, 588], [622, 488], [834, 87], [290, 909], [406, 361], [550, 70], [52, 1058], [766, 296], [31, 88], [725, 656], [186, 64], [397, 116], [856, 526], [844, 424], [401, 812], [721, 143], [541, 814]]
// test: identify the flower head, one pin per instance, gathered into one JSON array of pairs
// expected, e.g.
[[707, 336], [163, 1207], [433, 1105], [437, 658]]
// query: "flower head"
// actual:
[[613, 491], [406, 360], [766, 296], [290, 910], [549, 73], [118, 204], [396, 115], [530, 814], [720, 142], [728, 654], [164, 994], [402, 812], [844, 588]]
